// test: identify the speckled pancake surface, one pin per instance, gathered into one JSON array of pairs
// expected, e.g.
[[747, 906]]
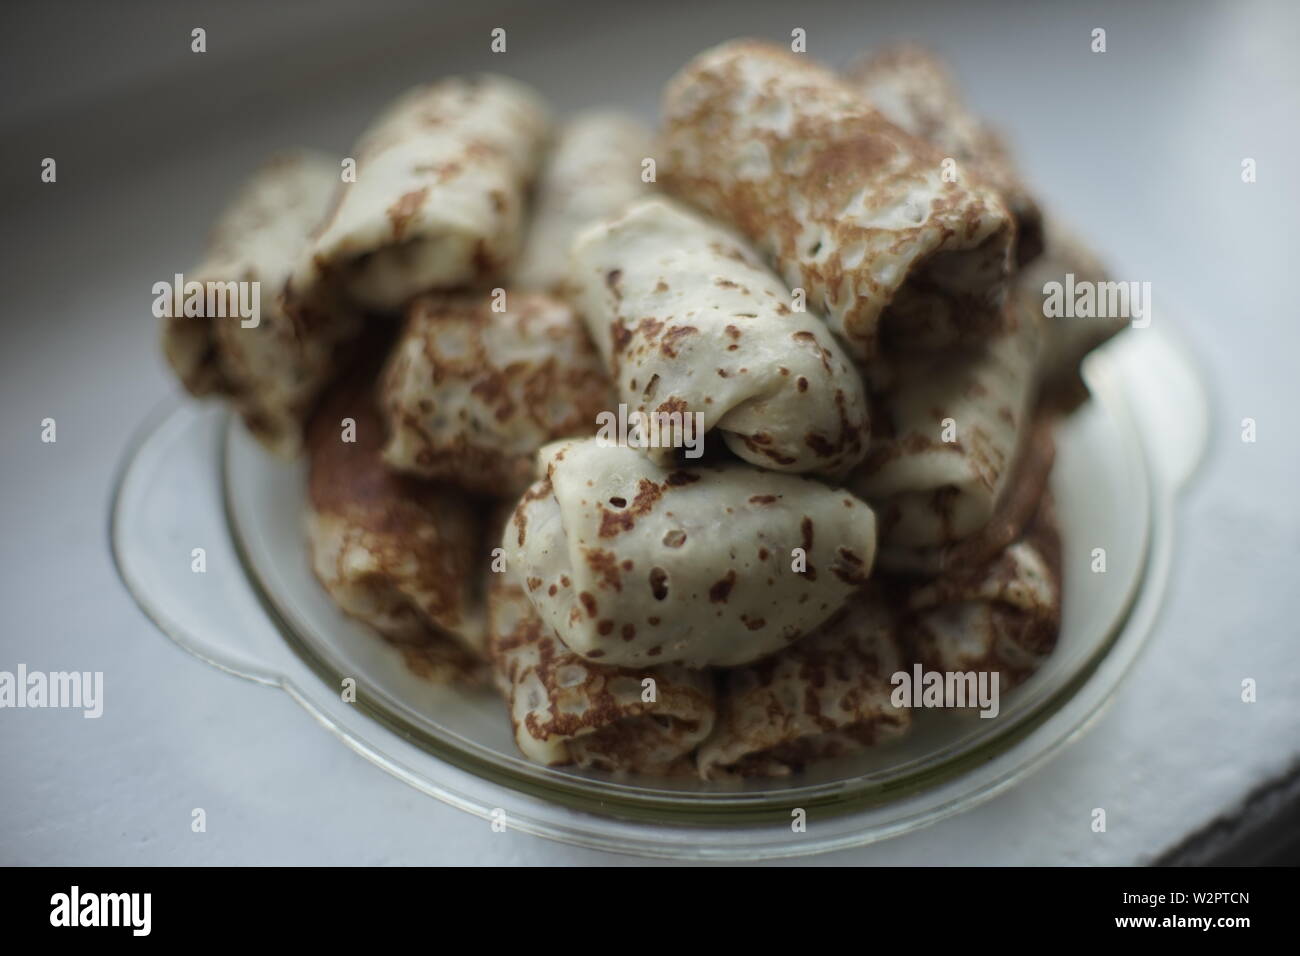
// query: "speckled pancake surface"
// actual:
[[915, 90], [593, 172], [631, 563], [271, 367], [828, 695], [438, 198], [692, 323], [402, 555], [569, 710], [852, 209], [946, 438], [1003, 616], [471, 393], [1066, 339]]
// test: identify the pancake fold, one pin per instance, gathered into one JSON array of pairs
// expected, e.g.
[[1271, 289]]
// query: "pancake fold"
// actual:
[[630, 563], [915, 90], [470, 393], [1003, 616], [438, 200], [852, 209], [568, 710], [690, 322], [274, 367], [828, 695], [592, 173], [401, 555], [1066, 340], [947, 435]]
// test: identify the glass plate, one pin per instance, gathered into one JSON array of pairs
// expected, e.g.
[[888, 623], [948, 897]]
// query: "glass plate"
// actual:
[[194, 478]]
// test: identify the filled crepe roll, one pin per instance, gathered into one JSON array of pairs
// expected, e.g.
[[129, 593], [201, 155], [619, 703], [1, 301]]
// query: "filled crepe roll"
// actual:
[[914, 89], [1001, 617], [568, 710], [945, 439], [1015, 508], [692, 323], [1066, 340], [828, 695], [853, 210], [402, 555], [441, 181], [470, 394], [631, 563], [592, 173], [271, 366]]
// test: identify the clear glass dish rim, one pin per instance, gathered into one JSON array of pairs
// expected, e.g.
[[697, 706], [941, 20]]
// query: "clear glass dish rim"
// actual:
[[655, 837], [639, 801]]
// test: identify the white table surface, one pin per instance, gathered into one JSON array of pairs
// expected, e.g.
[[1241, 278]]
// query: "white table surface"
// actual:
[[1140, 147]]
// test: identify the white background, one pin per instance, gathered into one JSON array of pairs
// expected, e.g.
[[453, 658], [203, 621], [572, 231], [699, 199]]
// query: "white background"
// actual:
[[1139, 147]]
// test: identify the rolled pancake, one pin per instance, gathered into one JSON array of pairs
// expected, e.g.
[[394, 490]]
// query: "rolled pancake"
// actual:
[[1066, 341], [930, 492], [828, 695], [689, 321], [470, 395], [272, 372], [1003, 616], [592, 173], [634, 564], [852, 209], [438, 201], [1015, 508], [567, 710], [402, 555], [915, 90]]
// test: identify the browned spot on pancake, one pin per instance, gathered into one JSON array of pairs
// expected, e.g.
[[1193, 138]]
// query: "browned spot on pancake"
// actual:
[[659, 583], [613, 523], [819, 445], [403, 211], [722, 588], [647, 494], [673, 338], [648, 327], [673, 405], [589, 602], [619, 335], [604, 564]]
